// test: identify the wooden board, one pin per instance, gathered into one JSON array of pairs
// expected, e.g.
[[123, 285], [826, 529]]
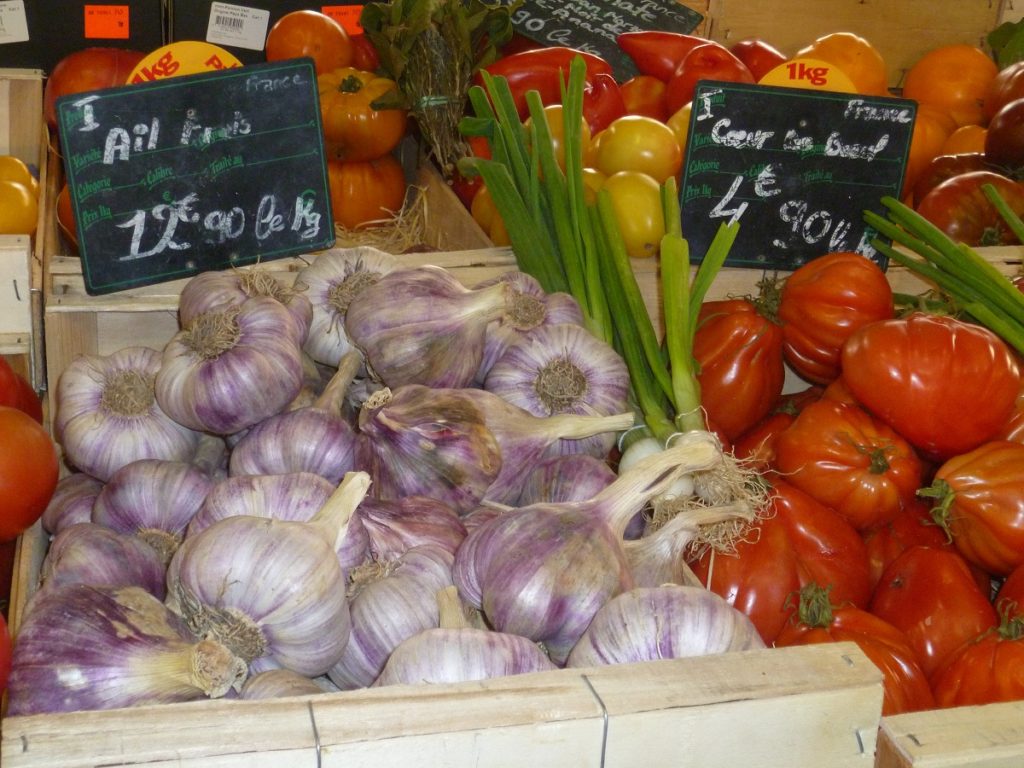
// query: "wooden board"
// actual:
[[808, 706]]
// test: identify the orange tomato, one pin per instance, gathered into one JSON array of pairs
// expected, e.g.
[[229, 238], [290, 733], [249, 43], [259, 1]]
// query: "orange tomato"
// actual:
[[964, 140], [310, 33], [367, 192], [485, 213], [19, 209], [954, 79], [931, 130], [645, 95], [353, 128], [858, 59]]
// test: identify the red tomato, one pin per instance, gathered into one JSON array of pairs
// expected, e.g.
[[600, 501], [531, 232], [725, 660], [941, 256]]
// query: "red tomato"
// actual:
[[656, 52], [603, 102], [959, 208], [87, 70], [756, 446], [942, 167], [708, 61], [1004, 139], [845, 458], [16, 392], [313, 34], [1012, 589], [1014, 427], [797, 542], [924, 374], [366, 192], [645, 95], [980, 501], [1007, 86], [822, 303], [759, 56], [364, 54], [932, 596], [905, 687], [986, 669], [739, 355], [28, 471]]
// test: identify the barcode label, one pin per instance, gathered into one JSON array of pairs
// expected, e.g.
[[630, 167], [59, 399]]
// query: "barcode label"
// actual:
[[228, 22]]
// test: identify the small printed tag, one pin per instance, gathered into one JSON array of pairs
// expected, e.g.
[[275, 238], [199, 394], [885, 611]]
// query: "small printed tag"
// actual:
[[346, 15], [237, 25], [107, 22], [13, 24]]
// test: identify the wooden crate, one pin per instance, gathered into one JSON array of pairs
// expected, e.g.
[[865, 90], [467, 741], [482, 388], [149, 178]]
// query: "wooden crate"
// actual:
[[902, 31], [808, 706], [22, 134]]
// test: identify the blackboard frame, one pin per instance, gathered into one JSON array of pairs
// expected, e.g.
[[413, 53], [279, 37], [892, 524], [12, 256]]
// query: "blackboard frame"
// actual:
[[170, 178], [826, 159]]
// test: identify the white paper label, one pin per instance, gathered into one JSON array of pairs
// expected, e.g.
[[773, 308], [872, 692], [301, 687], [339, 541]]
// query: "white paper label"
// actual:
[[13, 24], [237, 25]]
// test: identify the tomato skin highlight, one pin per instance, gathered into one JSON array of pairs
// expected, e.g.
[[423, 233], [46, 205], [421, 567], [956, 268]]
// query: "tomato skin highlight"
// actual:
[[922, 373], [739, 355], [933, 597], [822, 303]]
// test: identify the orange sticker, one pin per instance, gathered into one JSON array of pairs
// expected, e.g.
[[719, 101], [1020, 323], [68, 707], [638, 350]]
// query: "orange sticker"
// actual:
[[346, 15], [107, 22], [186, 57], [809, 73]]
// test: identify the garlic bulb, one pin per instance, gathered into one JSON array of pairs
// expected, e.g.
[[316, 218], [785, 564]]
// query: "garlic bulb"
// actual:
[[88, 553], [427, 442], [270, 588], [276, 683], [154, 500], [316, 438], [666, 622], [71, 502], [108, 414], [544, 570], [211, 290], [331, 282], [82, 648], [420, 325], [295, 496], [394, 526], [231, 368], [564, 369], [390, 601], [529, 308]]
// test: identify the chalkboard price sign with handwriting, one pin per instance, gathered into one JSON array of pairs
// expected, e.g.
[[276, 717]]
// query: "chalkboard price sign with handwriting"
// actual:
[[796, 168], [193, 173], [593, 25]]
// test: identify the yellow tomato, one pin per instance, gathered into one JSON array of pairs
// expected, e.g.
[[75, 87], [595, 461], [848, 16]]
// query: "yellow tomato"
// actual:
[[636, 200], [13, 168], [556, 125], [18, 209], [638, 143], [593, 180], [679, 122], [485, 213]]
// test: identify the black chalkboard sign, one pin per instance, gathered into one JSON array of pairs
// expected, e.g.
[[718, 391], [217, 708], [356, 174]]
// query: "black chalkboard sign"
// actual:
[[194, 173], [796, 167], [593, 25]]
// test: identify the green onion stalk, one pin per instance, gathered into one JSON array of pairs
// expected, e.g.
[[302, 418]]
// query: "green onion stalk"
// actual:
[[571, 245]]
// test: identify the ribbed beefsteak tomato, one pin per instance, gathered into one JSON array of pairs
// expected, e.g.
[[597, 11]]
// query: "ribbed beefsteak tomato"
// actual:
[[850, 461], [945, 385], [799, 541]]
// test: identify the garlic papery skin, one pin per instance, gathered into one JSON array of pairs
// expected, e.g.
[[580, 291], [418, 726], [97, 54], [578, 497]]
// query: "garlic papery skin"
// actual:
[[295, 496], [211, 290], [569, 477], [71, 502], [330, 282], [153, 500], [88, 553], [316, 438], [564, 369], [108, 414], [529, 307], [420, 325], [421, 441], [544, 570], [390, 601], [84, 648], [270, 588], [665, 622], [277, 683], [394, 526], [458, 652], [230, 369]]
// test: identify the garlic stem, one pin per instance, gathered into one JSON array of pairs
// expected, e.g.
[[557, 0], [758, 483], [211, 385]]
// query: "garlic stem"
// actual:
[[333, 396], [336, 513]]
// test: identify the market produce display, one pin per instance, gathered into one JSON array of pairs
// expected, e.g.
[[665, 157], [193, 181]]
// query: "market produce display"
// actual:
[[379, 474]]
